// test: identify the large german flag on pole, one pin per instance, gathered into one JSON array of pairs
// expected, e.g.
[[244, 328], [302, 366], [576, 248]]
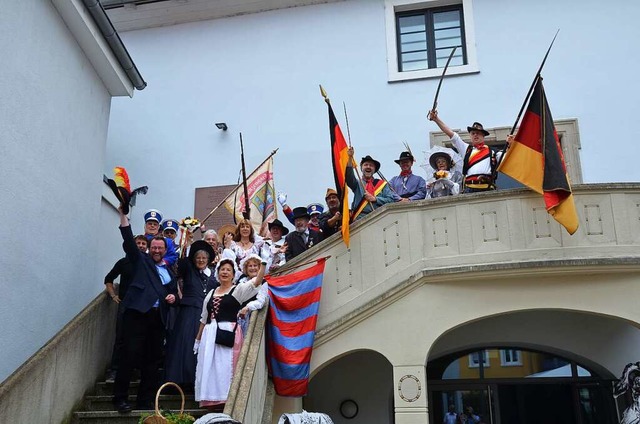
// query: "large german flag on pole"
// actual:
[[339, 160], [535, 159]]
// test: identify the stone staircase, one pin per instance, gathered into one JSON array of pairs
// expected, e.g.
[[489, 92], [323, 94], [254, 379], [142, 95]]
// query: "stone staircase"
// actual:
[[97, 408]]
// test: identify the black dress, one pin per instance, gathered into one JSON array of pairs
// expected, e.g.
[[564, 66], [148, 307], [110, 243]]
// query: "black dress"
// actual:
[[180, 366]]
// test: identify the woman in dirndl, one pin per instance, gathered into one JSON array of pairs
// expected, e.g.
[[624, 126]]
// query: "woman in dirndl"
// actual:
[[216, 362]]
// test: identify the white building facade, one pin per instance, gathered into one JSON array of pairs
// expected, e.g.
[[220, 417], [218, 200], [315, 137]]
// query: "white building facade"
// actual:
[[61, 236], [211, 62]]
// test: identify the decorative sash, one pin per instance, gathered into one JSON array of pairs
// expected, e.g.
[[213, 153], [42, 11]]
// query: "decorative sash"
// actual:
[[378, 185]]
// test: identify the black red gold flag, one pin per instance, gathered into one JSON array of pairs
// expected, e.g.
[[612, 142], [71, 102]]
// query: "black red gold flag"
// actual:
[[535, 159], [339, 160]]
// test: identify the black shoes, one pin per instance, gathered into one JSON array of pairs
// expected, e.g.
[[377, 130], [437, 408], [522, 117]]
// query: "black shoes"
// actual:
[[122, 406]]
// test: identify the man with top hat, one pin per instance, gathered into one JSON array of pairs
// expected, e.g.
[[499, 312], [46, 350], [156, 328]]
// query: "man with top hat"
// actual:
[[370, 193], [152, 219], [302, 238], [315, 210], [146, 306], [170, 228], [480, 162], [407, 186], [275, 245], [331, 220]]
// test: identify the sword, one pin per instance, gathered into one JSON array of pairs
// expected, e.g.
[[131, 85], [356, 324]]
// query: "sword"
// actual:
[[444, 71]]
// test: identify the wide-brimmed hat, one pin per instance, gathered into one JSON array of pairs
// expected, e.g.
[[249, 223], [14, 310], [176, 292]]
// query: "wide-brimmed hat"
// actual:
[[370, 159], [301, 212], [277, 223], [226, 228], [200, 245], [477, 126], [436, 155], [405, 156], [330, 192]]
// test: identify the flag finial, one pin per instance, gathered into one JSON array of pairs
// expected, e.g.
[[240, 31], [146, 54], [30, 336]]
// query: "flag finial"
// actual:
[[324, 94]]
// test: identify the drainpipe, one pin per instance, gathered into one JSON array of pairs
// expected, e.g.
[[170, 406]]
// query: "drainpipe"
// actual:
[[115, 43]]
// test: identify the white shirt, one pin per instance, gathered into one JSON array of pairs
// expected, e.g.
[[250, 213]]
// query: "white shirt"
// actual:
[[481, 168]]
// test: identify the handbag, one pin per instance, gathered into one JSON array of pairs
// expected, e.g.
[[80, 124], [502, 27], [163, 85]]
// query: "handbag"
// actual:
[[225, 337]]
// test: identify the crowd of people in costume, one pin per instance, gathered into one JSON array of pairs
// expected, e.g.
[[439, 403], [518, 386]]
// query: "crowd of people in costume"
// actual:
[[183, 305]]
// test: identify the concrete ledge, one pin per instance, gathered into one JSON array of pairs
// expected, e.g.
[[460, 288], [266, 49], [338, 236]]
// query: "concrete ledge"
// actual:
[[50, 384]]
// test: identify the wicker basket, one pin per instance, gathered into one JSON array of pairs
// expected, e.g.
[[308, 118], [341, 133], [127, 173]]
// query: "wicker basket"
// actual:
[[157, 418]]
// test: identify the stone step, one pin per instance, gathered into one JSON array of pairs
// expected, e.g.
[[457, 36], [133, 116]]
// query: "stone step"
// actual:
[[103, 388], [114, 417], [171, 402]]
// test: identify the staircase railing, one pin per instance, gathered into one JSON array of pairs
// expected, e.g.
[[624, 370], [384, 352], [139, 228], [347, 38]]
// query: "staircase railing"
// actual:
[[248, 401], [50, 384]]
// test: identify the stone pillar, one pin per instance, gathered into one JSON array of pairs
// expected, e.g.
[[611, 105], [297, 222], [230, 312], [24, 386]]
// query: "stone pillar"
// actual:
[[410, 394]]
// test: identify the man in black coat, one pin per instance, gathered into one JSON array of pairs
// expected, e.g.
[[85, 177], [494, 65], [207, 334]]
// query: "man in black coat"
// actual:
[[124, 270], [302, 238], [152, 289]]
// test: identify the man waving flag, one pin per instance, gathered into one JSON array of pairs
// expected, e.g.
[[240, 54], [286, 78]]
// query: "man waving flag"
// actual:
[[535, 159]]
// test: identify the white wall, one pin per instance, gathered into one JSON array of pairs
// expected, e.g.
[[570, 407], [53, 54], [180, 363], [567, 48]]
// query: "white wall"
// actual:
[[53, 120], [260, 73]]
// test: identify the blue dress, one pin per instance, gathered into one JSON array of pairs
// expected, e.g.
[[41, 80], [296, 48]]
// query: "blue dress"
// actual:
[[180, 361]]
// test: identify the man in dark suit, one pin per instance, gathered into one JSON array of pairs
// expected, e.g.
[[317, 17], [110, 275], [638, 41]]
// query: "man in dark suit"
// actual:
[[152, 289], [302, 238]]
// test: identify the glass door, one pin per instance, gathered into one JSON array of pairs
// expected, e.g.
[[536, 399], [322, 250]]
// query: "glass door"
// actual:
[[473, 404]]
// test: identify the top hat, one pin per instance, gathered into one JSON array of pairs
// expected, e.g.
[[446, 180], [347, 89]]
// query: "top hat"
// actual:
[[477, 126], [200, 245], [405, 156], [370, 159], [436, 155], [330, 191], [300, 212], [170, 224], [153, 215], [277, 223], [315, 208]]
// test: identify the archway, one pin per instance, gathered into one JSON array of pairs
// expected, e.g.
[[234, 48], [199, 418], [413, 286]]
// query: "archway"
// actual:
[[359, 384], [530, 367]]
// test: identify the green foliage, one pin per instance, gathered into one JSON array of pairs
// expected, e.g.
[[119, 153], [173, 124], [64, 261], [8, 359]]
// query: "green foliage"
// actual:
[[172, 418]]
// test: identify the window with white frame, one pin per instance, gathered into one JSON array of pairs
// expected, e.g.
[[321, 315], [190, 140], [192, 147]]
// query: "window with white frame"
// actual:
[[421, 34], [510, 357], [474, 359]]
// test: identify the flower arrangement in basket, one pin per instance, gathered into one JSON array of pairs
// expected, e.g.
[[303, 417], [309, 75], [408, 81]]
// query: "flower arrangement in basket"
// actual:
[[168, 418]]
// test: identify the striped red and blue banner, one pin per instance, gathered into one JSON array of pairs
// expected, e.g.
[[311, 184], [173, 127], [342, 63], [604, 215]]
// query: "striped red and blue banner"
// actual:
[[294, 300]]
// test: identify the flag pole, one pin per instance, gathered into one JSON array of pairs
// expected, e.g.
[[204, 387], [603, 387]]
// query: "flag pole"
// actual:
[[236, 188], [533, 84], [247, 208]]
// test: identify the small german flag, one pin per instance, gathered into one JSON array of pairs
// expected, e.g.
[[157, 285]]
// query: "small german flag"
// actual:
[[535, 159]]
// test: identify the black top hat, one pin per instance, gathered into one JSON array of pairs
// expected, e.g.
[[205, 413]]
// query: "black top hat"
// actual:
[[301, 212], [277, 223], [404, 156], [477, 126], [370, 159], [436, 155], [200, 245]]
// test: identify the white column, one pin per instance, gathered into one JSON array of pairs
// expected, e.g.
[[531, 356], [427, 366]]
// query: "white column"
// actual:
[[410, 394]]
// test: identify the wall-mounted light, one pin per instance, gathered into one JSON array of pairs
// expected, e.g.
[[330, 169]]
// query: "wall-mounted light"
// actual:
[[222, 126], [349, 409]]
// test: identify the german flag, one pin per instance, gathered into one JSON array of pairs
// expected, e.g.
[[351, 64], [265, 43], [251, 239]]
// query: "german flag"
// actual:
[[535, 159], [339, 159]]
